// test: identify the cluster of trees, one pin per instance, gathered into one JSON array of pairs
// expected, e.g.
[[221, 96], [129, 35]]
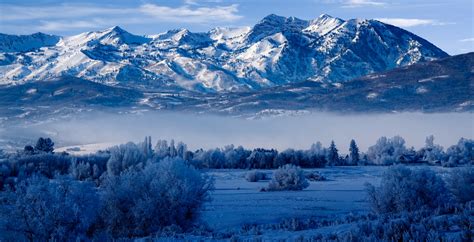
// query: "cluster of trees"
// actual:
[[386, 151], [125, 192]]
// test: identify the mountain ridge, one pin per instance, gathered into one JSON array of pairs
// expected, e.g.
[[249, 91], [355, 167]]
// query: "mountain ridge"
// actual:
[[276, 51]]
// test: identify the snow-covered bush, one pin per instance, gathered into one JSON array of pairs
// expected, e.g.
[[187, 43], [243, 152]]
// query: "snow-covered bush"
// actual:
[[461, 183], [403, 189], [461, 153], [255, 176], [139, 202], [387, 150], [288, 177], [314, 176], [39, 209]]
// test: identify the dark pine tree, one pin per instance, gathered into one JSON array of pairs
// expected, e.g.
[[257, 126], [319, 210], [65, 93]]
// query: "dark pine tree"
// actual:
[[44, 145], [354, 153], [333, 156]]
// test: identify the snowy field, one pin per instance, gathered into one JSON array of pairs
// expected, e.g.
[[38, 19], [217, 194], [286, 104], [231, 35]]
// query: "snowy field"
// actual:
[[236, 202]]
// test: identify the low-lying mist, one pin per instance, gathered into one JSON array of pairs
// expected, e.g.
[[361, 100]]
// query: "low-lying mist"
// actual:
[[208, 131]]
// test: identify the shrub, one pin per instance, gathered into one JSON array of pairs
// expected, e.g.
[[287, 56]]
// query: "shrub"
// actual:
[[402, 189], [288, 177], [314, 176], [461, 183], [255, 176], [40, 210], [139, 202]]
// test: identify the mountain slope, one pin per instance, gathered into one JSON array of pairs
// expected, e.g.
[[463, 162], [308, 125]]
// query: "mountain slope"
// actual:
[[276, 51], [445, 85]]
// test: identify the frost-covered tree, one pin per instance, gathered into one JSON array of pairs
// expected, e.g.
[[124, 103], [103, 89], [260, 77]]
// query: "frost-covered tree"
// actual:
[[332, 154], [162, 149], [261, 158], [461, 153], [139, 202], [236, 157], [181, 150], [39, 209], [146, 147], [354, 153], [44, 145], [288, 177], [461, 183], [172, 150], [405, 190], [80, 170], [432, 153], [124, 156], [46, 164], [317, 149], [387, 150]]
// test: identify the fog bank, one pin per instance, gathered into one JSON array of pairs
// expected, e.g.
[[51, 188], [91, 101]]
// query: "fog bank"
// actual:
[[206, 131]]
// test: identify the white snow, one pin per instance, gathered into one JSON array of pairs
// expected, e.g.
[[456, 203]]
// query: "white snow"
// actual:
[[432, 79], [236, 201], [372, 95], [421, 90]]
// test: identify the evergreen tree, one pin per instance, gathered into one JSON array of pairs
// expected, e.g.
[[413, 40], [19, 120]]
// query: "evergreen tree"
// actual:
[[332, 155], [354, 153], [44, 145]]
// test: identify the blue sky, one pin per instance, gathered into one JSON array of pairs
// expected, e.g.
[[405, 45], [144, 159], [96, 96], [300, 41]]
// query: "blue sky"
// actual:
[[446, 23]]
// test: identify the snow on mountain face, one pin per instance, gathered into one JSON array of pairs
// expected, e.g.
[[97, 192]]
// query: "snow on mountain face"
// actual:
[[277, 50]]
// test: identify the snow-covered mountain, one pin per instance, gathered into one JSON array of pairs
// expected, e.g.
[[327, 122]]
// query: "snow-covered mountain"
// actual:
[[277, 50], [445, 85]]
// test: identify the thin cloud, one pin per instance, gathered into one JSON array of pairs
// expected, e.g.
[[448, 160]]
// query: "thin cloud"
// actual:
[[192, 15], [77, 16], [410, 22], [59, 12], [363, 3], [467, 40], [198, 2], [59, 25]]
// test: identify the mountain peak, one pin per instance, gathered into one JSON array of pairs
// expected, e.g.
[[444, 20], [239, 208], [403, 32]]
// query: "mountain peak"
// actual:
[[272, 24], [325, 16], [116, 35], [273, 17], [115, 29], [322, 25]]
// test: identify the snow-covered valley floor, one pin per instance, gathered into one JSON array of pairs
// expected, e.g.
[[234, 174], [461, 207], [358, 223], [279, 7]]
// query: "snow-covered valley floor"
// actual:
[[236, 202]]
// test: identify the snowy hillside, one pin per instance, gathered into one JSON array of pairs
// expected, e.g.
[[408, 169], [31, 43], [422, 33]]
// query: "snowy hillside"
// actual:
[[277, 50], [444, 85]]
